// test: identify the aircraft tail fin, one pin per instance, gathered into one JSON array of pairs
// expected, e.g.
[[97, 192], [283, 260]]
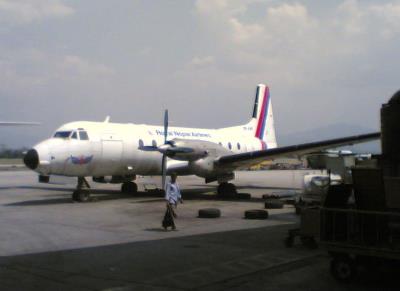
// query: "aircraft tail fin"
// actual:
[[262, 121]]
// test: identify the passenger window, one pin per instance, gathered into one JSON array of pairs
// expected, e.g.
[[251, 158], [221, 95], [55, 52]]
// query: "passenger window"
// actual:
[[83, 135], [229, 145], [141, 144], [154, 143], [238, 146], [74, 135]]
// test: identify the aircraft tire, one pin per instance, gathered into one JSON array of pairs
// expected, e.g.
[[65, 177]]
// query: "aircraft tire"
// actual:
[[209, 213], [221, 189], [226, 189], [129, 188], [256, 214], [81, 195], [274, 204]]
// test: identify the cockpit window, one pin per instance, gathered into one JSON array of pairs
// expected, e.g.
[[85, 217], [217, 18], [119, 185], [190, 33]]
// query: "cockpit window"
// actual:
[[83, 135], [62, 134], [74, 135]]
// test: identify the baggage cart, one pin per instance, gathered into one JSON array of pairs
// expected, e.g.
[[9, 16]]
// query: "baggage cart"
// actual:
[[359, 238]]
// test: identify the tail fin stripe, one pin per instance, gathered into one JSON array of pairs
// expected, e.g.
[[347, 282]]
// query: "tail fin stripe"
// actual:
[[265, 117], [262, 117]]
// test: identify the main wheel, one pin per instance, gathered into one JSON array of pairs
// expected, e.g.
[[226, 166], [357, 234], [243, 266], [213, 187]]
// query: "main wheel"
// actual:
[[129, 188], [343, 268], [81, 195], [226, 189]]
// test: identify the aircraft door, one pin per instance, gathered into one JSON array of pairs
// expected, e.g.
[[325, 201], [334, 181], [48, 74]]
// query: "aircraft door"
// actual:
[[111, 154]]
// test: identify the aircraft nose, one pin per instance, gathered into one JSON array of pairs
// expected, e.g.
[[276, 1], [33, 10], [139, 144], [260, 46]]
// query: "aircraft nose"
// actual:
[[31, 159]]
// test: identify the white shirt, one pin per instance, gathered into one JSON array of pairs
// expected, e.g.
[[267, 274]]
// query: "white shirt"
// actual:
[[172, 193]]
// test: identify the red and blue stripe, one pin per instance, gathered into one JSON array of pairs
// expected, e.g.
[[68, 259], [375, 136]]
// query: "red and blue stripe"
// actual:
[[262, 120]]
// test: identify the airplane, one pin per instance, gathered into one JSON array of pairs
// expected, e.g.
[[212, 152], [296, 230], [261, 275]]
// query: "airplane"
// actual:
[[117, 153]]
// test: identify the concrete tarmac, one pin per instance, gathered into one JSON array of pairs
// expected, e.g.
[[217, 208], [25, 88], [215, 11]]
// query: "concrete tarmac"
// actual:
[[115, 242]]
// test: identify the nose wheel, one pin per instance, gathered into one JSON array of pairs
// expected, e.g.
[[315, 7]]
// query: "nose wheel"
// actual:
[[82, 192]]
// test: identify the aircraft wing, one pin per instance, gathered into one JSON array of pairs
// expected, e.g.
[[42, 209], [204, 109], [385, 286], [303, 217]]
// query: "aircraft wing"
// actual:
[[13, 123], [245, 160]]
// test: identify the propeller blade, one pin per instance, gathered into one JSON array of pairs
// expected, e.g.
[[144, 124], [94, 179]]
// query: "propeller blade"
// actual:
[[165, 126], [164, 170], [164, 156]]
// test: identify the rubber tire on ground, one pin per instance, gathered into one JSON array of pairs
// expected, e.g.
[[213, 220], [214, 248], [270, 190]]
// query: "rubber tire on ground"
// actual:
[[343, 269], [209, 213], [256, 214], [244, 196], [274, 204], [81, 195], [129, 188]]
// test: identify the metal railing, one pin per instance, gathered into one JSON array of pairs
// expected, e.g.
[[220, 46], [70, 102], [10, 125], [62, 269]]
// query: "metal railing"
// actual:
[[360, 228]]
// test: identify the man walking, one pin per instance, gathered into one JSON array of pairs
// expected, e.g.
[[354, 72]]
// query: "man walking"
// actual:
[[172, 196]]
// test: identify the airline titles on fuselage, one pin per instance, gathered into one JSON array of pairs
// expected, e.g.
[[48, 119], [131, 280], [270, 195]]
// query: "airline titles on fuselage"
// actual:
[[182, 134]]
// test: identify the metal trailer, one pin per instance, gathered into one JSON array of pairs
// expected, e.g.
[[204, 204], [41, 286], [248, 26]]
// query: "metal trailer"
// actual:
[[359, 238]]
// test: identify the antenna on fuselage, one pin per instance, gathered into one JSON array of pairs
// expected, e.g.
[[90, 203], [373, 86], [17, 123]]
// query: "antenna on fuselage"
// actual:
[[107, 119]]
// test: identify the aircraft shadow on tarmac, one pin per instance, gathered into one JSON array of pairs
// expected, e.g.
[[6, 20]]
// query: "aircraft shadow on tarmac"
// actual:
[[99, 195]]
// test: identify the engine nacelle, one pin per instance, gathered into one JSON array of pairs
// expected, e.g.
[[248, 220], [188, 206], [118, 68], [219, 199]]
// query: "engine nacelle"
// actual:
[[203, 167], [187, 150]]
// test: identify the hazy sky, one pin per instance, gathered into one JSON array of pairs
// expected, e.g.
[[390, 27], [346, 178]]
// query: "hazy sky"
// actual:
[[326, 62]]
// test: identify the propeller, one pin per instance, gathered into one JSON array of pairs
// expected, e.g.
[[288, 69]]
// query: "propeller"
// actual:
[[164, 153], [170, 148]]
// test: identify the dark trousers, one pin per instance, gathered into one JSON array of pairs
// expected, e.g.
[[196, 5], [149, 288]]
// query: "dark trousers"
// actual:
[[169, 217]]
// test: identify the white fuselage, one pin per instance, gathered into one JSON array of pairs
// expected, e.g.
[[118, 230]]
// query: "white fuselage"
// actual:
[[114, 149]]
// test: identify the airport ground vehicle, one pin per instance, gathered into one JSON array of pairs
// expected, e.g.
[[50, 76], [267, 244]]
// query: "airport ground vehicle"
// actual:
[[359, 239]]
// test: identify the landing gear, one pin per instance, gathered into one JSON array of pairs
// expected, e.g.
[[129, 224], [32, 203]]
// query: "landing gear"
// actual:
[[82, 192], [82, 195], [129, 188], [226, 189]]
